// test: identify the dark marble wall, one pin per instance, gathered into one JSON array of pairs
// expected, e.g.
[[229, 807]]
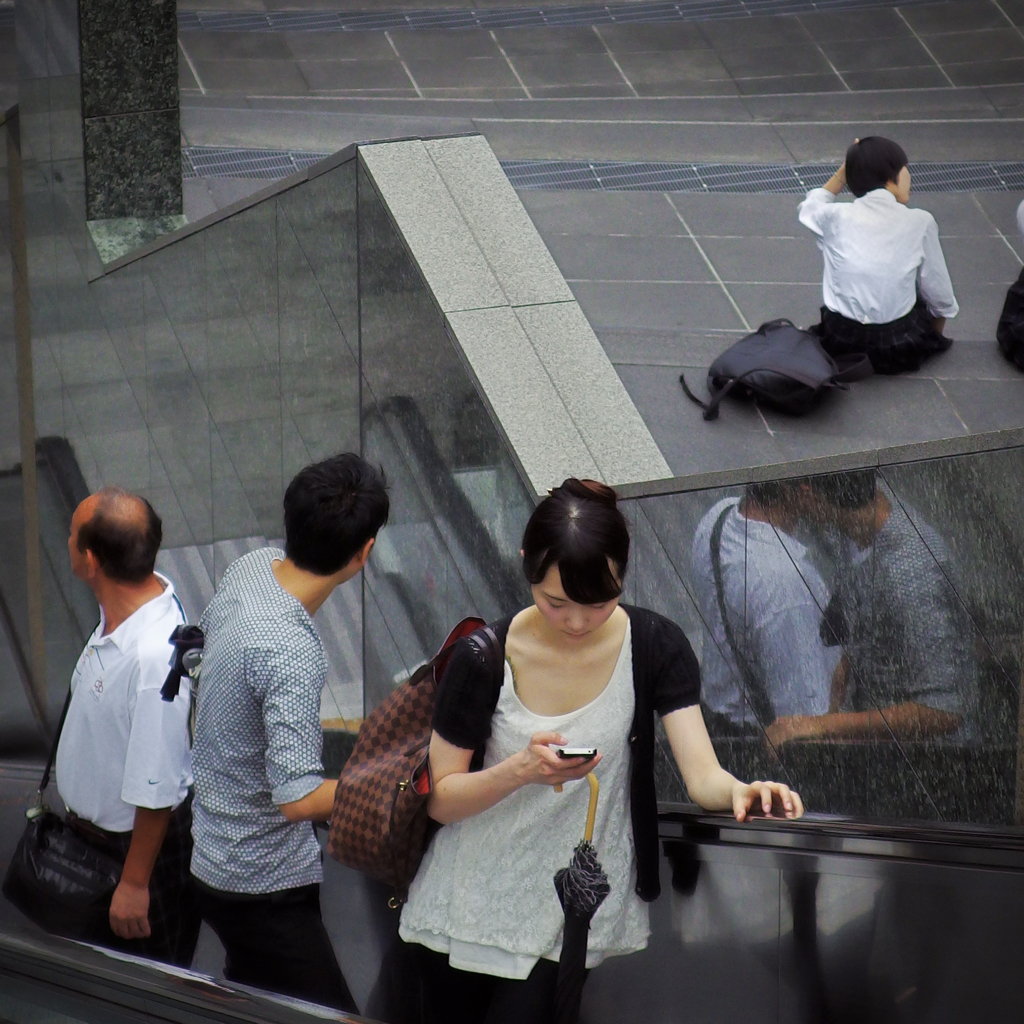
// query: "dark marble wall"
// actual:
[[129, 82]]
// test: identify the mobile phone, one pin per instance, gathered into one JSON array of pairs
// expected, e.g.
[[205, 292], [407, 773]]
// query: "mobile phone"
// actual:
[[567, 752]]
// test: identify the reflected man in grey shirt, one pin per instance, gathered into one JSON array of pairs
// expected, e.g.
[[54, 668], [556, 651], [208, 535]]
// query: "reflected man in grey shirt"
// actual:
[[910, 669]]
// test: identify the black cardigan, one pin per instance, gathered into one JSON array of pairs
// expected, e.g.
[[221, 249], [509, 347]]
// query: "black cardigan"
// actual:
[[666, 677]]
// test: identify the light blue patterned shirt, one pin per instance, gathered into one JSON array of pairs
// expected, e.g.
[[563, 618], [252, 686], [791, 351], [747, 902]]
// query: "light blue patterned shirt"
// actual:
[[258, 739]]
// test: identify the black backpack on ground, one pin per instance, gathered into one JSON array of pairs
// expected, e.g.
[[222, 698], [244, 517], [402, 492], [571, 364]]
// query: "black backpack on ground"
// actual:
[[780, 365], [1010, 332]]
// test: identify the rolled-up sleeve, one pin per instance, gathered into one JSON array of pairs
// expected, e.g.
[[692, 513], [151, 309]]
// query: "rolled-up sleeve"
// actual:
[[289, 685], [814, 209], [933, 278]]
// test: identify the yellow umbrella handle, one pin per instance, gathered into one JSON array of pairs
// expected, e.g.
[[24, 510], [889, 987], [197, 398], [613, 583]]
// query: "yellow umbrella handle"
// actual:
[[588, 835]]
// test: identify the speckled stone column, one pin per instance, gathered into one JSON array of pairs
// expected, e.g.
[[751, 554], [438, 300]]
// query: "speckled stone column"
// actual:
[[129, 51]]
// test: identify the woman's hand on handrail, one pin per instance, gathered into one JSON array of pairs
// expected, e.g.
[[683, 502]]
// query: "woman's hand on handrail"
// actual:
[[773, 799], [459, 793]]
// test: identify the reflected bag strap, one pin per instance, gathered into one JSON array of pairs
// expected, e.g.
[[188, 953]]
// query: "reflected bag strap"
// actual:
[[53, 748], [758, 696]]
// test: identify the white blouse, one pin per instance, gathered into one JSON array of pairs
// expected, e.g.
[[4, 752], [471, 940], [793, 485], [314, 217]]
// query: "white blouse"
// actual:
[[878, 255], [485, 892]]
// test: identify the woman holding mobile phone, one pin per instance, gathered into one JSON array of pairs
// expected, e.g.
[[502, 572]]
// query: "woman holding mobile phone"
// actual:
[[581, 671]]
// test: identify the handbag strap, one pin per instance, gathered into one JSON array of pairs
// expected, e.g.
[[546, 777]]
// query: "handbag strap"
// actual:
[[759, 700], [53, 747], [852, 368]]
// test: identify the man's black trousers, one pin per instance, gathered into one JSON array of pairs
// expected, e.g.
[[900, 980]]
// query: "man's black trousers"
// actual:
[[278, 942]]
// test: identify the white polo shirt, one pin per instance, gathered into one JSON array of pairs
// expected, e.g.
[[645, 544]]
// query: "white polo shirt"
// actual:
[[122, 745], [879, 254]]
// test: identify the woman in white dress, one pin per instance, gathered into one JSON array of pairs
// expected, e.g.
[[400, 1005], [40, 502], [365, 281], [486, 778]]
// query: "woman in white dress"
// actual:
[[580, 670]]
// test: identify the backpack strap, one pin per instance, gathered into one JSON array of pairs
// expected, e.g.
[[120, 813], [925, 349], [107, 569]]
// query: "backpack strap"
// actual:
[[852, 368], [759, 700], [710, 408]]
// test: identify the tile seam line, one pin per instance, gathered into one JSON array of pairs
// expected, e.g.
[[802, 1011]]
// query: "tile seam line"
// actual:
[[995, 227], [191, 66], [924, 46], [707, 260], [1017, 28], [614, 60], [401, 60], [511, 66]]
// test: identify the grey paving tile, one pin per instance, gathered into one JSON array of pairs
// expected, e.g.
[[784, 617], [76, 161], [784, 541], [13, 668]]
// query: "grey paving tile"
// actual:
[[980, 305], [968, 360], [567, 69], [622, 39], [691, 445], [984, 45], [760, 303], [897, 78], [792, 58], [996, 72], [673, 67], [988, 404], [981, 260], [874, 413], [338, 45], [474, 72], [741, 216], [650, 347], [1005, 98], [610, 90], [959, 16], [966, 140], [589, 213], [739, 143], [956, 214], [907, 104], [523, 41], [186, 80], [867, 54], [837, 26], [688, 87], [605, 258], [749, 32], [423, 44], [776, 260], [793, 83], [235, 45], [268, 77], [1014, 10], [478, 92], [351, 75], [1001, 209], [691, 308]]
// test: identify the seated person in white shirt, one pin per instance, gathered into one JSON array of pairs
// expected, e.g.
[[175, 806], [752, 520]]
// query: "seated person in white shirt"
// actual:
[[1010, 332], [768, 660], [123, 762], [886, 288]]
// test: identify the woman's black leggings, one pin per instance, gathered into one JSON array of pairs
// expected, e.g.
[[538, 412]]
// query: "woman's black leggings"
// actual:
[[451, 996]]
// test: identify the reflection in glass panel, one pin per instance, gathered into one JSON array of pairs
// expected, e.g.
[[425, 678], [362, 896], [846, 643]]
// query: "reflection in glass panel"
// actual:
[[458, 505]]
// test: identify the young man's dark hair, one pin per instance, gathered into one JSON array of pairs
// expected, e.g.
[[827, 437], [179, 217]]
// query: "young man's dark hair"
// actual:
[[331, 509], [124, 534], [770, 492], [853, 490], [872, 163]]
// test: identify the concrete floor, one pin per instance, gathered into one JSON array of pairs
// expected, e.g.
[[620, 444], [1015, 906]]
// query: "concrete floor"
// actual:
[[669, 280]]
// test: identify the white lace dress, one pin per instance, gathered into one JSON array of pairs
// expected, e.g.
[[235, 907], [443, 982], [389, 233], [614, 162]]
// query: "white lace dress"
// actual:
[[485, 894]]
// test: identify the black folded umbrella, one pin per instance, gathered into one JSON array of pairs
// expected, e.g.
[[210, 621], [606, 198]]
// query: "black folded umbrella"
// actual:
[[582, 888]]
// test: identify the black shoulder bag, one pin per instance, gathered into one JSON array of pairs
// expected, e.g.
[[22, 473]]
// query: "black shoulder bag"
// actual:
[[55, 878], [752, 683]]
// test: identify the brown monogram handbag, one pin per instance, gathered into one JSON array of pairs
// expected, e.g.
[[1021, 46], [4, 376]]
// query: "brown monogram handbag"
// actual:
[[379, 824]]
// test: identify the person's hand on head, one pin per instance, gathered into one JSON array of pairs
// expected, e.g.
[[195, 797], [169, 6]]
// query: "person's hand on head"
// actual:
[[540, 765], [770, 799]]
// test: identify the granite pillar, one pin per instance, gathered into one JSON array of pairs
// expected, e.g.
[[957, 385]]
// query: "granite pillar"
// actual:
[[130, 124]]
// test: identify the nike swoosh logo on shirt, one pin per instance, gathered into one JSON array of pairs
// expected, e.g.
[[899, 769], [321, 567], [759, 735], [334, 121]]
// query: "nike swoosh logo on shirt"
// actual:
[[154, 782]]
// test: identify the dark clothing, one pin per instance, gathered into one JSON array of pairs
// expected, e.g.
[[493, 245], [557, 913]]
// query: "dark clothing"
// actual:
[[895, 347], [277, 941], [173, 908], [666, 677], [451, 996], [1010, 330]]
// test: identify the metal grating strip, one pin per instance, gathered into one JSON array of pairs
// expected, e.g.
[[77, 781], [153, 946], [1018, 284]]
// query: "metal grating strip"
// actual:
[[630, 176], [510, 17]]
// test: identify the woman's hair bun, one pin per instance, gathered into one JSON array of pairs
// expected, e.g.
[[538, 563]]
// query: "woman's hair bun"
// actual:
[[588, 490]]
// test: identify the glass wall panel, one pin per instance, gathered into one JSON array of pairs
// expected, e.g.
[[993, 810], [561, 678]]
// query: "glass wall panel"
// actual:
[[873, 648], [458, 504]]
